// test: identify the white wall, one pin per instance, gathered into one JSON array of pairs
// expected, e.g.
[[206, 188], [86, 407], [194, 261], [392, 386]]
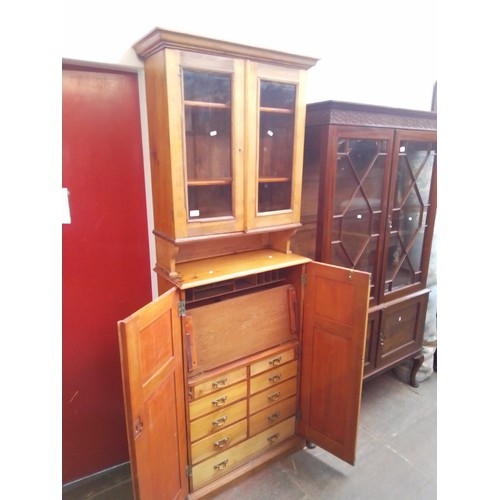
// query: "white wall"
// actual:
[[372, 52]]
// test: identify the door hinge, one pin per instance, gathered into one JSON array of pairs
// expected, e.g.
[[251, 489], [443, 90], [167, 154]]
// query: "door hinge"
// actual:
[[181, 308], [298, 415], [189, 470], [303, 279]]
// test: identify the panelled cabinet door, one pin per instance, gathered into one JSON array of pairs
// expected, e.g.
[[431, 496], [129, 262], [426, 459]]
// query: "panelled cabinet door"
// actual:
[[334, 331], [152, 373]]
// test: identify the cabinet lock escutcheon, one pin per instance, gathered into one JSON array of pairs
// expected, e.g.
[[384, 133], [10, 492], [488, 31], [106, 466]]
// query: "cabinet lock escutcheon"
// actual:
[[219, 401]]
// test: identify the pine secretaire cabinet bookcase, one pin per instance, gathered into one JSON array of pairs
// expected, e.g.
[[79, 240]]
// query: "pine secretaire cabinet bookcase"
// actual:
[[369, 203], [250, 351]]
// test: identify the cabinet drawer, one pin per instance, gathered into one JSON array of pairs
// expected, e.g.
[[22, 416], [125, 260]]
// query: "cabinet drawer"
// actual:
[[218, 382], [228, 460], [273, 377], [272, 395], [272, 415], [222, 440], [215, 421], [213, 401], [272, 361]]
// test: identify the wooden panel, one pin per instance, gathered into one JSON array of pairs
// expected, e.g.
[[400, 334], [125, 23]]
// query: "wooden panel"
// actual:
[[401, 329], [272, 395], [219, 381], [217, 420], [222, 440], [151, 356], [225, 462], [272, 415], [216, 400], [273, 377], [274, 360], [232, 329], [335, 317]]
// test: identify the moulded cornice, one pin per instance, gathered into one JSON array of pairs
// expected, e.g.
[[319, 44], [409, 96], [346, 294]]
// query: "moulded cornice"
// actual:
[[159, 39]]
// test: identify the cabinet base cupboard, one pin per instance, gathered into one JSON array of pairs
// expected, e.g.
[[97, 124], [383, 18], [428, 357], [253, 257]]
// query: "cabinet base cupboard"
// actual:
[[250, 350], [222, 376]]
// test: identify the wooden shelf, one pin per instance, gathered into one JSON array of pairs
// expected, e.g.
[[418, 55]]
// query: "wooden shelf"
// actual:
[[283, 111], [202, 104], [209, 182], [270, 180]]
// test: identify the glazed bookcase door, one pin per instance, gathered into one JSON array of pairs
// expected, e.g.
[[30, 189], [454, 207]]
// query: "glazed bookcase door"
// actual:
[[411, 213], [206, 96], [276, 112], [359, 186]]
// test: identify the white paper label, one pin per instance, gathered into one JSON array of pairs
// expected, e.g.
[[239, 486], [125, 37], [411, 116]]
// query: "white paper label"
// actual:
[[194, 213]]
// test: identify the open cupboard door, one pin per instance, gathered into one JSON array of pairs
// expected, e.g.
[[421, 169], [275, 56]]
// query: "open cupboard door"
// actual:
[[152, 374], [334, 331]]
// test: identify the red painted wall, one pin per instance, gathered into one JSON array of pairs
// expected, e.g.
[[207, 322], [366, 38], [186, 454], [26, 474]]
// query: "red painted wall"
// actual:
[[105, 261]]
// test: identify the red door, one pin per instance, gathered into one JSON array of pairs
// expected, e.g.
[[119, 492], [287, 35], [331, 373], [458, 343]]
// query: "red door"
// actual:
[[153, 386], [105, 260]]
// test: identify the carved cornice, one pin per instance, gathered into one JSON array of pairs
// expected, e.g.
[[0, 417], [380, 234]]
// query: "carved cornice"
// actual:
[[347, 113]]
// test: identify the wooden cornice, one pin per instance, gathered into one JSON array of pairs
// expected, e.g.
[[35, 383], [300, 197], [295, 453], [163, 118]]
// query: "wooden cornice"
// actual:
[[348, 113], [159, 39]]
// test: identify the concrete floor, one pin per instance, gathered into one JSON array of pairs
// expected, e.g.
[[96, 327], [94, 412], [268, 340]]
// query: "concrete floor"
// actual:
[[396, 457]]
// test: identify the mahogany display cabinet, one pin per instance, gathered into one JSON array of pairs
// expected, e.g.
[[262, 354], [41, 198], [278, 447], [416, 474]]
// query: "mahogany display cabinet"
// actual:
[[369, 203]]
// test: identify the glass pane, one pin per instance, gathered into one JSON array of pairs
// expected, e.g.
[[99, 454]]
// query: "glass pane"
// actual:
[[357, 203], [276, 133], [207, 132], [206, 87], [409, 215]]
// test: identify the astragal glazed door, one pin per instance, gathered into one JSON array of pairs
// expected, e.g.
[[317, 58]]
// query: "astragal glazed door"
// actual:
[[152, 374], [333, 344]]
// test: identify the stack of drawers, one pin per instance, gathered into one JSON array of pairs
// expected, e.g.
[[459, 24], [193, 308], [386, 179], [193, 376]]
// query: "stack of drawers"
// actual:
[[239, 413]]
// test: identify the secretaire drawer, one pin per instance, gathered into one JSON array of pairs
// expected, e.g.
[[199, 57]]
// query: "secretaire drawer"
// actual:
[[272, 362], [216, 400], [272, 377], [226, 461], [217, 420], [218, 382], [222, 440], [272, 415], [273, 395]]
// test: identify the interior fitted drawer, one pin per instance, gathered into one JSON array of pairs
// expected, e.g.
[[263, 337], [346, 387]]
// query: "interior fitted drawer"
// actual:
[[216, 400], [272, 361], [271, 396], [217, 420], [218, 382], [272, 415], [228, 460], [272, 377], [222, 440]]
